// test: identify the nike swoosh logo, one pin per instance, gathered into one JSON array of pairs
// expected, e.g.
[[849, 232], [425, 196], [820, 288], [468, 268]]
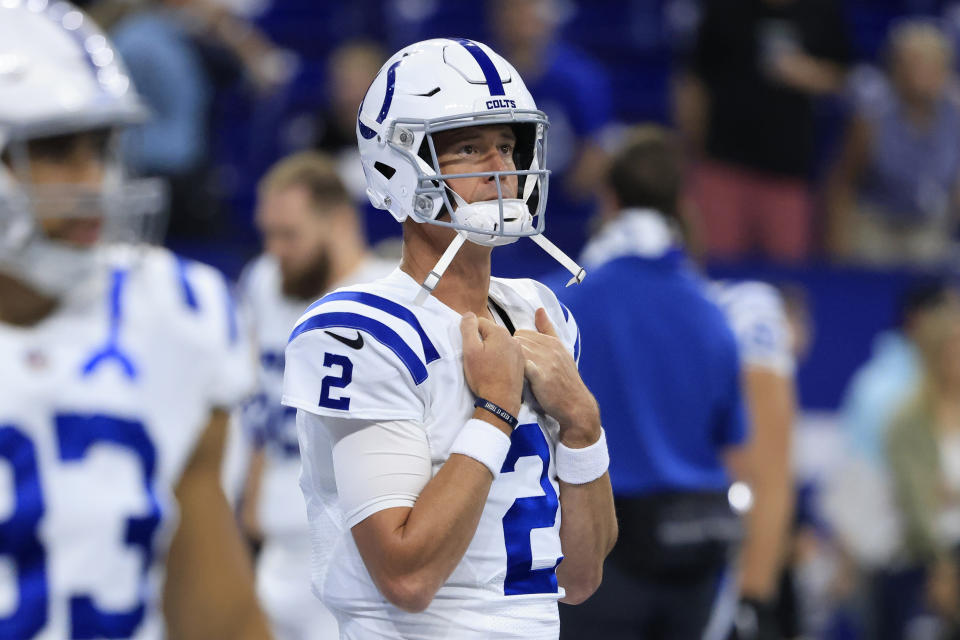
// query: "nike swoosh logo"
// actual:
[[356, 343]]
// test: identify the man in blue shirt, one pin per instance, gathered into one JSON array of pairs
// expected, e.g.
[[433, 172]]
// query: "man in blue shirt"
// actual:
[[663, 365]]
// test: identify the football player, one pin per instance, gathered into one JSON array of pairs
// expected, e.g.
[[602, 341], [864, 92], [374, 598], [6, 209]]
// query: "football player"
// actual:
[[469, 464], [755, 312], [117, 364], [313, 242]]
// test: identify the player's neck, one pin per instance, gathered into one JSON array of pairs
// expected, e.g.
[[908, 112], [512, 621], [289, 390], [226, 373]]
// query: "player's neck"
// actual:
[[22, 306], [465, 285]]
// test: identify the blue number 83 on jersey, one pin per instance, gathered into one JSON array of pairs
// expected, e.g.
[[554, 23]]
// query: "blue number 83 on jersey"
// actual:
[[20, 541]]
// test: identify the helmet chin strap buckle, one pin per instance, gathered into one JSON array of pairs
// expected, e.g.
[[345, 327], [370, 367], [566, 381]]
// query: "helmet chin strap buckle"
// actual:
[[579, 273], [433, 278]]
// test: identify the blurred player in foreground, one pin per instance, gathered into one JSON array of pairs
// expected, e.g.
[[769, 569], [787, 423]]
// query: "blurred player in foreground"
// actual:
[[313, 242], [118, 363], [468, 457]]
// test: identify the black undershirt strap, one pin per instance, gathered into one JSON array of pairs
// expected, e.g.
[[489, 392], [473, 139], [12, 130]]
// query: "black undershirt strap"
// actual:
[[503, 315]]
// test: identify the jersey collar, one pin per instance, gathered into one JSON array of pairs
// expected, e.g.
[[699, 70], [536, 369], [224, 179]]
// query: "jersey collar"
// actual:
[[643, 233]]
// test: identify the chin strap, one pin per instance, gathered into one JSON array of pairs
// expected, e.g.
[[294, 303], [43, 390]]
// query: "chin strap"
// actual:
[[433, 278], [579, 273]]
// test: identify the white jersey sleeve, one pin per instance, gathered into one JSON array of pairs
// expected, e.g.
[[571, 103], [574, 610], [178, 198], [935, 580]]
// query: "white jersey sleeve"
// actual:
[[757, 317], [348, 359], [377, 465]]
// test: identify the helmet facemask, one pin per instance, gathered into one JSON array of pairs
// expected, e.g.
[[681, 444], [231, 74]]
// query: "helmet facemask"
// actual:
[[124, 210], [492, 222]]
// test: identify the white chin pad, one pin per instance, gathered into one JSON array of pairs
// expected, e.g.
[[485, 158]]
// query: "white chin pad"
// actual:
[[482, 220]]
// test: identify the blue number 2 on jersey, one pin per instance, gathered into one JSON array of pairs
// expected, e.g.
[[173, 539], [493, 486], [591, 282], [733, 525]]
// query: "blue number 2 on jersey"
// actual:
[[331, 360], [526, 514], [76, 434]]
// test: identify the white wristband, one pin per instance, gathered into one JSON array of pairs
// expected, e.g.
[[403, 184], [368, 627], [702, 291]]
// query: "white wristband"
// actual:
[[580, 466], [484, 443]]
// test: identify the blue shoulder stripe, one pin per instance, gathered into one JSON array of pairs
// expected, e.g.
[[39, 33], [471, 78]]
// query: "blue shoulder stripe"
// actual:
[[189, 297], [375, 329], [388, 306]]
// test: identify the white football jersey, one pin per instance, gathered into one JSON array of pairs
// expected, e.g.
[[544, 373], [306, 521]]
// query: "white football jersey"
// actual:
[[101, 406], [283, 576], [756, 315], [272, 315], [370, 353]]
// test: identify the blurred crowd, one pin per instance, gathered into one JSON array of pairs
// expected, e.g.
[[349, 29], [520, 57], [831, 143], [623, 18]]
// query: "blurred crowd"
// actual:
[[809, 134], [813, 132]]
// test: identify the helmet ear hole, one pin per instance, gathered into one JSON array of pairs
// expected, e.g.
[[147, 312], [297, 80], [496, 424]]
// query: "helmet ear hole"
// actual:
[[385, 169]]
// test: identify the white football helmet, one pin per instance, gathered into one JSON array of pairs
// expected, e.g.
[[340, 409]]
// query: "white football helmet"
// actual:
[[60, 75], [443, 84]]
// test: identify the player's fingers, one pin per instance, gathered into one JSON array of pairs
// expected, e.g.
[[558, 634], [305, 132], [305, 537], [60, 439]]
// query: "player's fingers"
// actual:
[[526, 342], [531, 336], [486, 328], [548, 344], [543, 323], [532, 352], [470, 332], [531, 370]]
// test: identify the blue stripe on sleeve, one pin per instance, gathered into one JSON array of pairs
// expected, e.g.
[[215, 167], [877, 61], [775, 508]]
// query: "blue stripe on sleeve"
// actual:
[[375, 329], [189, 297], [388, 306], [486, 65]]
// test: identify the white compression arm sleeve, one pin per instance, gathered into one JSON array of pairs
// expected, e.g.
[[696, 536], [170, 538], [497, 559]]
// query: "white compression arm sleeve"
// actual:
[[378, 465]]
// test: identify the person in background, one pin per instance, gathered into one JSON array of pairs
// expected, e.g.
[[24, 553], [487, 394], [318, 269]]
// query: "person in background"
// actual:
[[892, 194], [759, 320], [575, 94], [313, 242], [746, 103], [654, 336], [179, 54], [891, 374], [350, 70], [923, 447], [858, 499]]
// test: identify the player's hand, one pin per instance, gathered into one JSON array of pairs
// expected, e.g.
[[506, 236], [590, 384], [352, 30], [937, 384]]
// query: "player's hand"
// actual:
[[492, 362], [556, 383], [755, 620]]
